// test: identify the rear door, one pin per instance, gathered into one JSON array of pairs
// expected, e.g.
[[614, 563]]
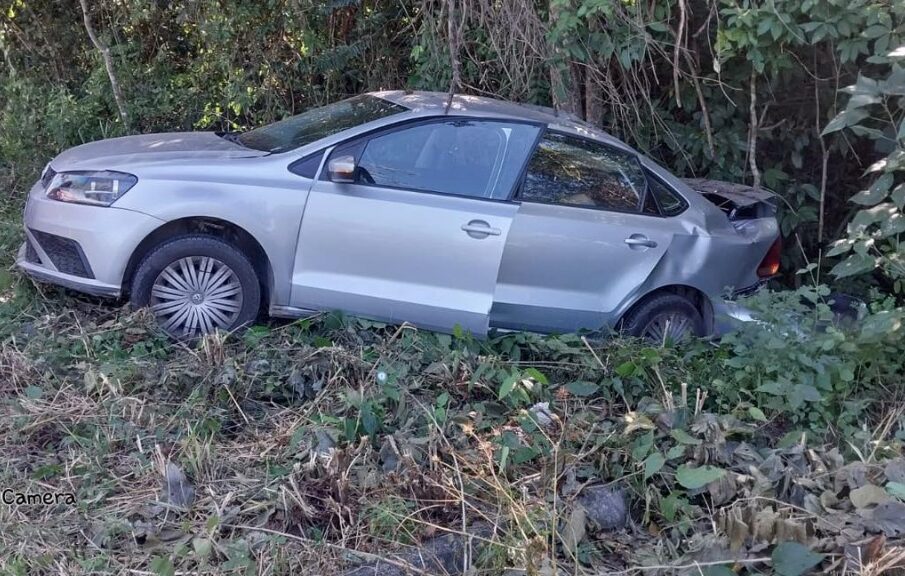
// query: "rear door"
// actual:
[[584, 240], [419, 235]]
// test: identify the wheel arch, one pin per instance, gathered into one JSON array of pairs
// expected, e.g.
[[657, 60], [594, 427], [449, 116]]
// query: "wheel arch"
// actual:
[[211, 226], [696, 296]]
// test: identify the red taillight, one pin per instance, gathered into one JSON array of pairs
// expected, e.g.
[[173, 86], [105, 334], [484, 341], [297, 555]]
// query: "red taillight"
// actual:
[[769, 266]]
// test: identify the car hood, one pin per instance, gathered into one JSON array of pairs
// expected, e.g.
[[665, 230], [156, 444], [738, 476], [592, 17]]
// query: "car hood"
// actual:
[[121, 153]]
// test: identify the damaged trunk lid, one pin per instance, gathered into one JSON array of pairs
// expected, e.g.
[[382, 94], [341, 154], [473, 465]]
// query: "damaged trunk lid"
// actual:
[[738, 201]]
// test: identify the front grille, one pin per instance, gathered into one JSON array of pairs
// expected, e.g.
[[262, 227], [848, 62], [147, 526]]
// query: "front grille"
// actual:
[[31, 255], [65, 253]]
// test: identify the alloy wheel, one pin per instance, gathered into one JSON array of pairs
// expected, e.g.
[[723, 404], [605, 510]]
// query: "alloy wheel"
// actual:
[[667, 328], [195, 295]]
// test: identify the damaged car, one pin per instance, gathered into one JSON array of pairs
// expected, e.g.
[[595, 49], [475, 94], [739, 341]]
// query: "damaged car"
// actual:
[[401, 206]]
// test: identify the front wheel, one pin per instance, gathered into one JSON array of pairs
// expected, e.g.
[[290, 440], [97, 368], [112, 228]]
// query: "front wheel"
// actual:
[[664, 319], [196, 284]]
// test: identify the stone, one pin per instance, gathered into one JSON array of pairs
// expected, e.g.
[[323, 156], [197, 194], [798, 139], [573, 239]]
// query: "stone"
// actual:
[[605, 507], [324, 442], [179, 490], [443, 555], [895, 470]]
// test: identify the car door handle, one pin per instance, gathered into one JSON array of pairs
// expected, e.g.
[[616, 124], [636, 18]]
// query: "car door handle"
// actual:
[[639, 240], [480, 229]]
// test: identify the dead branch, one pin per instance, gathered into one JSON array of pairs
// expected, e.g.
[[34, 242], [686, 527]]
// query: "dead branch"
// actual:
[[680, 35], [705, 113], [752, 132]]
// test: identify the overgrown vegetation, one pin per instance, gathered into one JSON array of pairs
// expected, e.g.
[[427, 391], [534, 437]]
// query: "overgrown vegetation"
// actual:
[[313, 446]]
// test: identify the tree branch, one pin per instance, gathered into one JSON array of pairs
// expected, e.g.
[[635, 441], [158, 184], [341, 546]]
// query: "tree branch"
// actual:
[[705, 113], [108, 64], [752, 134]]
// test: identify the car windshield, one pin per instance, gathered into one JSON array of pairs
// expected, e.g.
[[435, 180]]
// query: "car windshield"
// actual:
[[318, 123]]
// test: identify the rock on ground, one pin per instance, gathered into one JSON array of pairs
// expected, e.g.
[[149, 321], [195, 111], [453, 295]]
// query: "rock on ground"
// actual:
[[605, 507], [443, 555]]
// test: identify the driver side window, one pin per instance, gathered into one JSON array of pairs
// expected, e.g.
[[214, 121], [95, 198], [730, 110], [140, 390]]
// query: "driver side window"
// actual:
[[480, 159]]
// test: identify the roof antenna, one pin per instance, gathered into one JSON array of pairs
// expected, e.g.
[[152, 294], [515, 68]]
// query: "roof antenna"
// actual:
[[454, 34]]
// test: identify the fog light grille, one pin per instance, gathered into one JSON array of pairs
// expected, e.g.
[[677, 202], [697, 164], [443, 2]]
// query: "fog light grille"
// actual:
[[31, 255], [65, 253]]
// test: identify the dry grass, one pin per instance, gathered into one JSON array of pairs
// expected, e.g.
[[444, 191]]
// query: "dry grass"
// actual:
[[314, 446]]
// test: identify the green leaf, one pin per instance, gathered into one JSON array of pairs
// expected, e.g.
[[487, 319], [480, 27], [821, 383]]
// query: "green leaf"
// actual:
[[757, 414], [792, 438], [653, 464], [804, 393], [896, 489], [683, 437], [675, 452], [537, 375], [875, 31], [162, 566], [670, 505], [626, 369], [877, 191], [507, 386], [33, 392], [368, 420], [854, 265], [883, 325], [202, 547], [844, 119], [839, 248], [859, 100], [642, 446], [580, 388], [898, 196], [693, 478], [793, 559]]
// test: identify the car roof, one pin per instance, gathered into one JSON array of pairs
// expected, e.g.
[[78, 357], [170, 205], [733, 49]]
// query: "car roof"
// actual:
[[435, 103]]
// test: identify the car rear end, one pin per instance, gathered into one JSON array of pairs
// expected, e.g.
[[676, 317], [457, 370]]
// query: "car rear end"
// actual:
[[752, 252]]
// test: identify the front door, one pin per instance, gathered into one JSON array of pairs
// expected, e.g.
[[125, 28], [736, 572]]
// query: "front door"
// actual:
[[419, 234]]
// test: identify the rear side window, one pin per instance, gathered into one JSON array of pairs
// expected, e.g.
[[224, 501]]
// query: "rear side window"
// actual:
[[577, 172], [667, 200], [475, 158]]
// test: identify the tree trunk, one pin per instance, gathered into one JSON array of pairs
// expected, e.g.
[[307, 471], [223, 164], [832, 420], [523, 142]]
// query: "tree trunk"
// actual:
[[108, 64], [562, 83]]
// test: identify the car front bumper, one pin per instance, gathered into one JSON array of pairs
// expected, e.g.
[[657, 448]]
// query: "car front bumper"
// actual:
[[85, 248]]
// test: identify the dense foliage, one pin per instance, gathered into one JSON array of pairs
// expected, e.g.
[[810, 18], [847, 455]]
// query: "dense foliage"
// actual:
[[316, 445], [733, 90]]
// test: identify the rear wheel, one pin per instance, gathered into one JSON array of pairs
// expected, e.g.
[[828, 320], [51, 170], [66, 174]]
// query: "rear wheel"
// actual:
[[664, 319], [197, 284]]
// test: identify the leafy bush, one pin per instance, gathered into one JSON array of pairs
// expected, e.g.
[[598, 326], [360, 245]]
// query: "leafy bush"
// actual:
[[873, 239]]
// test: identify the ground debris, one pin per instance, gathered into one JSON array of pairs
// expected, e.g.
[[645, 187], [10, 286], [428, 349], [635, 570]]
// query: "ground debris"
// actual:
[[446, 555]]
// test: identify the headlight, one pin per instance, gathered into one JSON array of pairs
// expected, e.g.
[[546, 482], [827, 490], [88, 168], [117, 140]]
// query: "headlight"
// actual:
[[96, 188]]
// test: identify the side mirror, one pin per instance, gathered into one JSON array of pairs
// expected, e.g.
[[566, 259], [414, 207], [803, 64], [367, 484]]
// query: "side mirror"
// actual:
[[342, 169]]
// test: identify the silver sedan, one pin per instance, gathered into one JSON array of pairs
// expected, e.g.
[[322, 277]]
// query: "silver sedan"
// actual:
[[400, 207]]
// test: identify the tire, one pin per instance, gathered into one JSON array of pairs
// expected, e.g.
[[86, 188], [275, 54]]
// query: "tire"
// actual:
[[664, 319], [196, 284]]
